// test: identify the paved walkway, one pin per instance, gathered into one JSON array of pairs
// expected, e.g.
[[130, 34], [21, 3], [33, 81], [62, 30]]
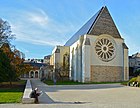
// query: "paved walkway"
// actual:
[[84, 96], [88, 94], [44, 98], [72, 94]]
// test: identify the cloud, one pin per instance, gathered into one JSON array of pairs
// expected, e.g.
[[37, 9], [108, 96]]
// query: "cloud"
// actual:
[[36, 27], [39, 41], [39, 17]]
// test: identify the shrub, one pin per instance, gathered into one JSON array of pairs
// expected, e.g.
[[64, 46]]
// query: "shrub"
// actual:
[[132, 79], [135, 79]]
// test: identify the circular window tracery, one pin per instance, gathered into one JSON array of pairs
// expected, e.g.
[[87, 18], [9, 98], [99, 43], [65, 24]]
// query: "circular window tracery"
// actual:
[[105, 49]]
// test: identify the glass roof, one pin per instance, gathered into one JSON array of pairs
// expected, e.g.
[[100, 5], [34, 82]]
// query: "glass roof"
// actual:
[[83, 30]]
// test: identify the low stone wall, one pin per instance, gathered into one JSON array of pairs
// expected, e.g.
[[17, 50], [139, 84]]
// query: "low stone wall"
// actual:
[[26, 96], [106, 73]]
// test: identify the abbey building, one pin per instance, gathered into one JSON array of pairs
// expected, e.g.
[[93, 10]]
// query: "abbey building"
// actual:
[[97, 52]]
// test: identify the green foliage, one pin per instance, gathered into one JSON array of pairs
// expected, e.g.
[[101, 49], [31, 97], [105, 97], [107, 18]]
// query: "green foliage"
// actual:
[[135, 79], [50, 82], [124, 83], [7, 73], [138, 79], [12, 95], [136, 73], [132, 79], [11, 65], [102, 83], [10, 90], [59, 82]]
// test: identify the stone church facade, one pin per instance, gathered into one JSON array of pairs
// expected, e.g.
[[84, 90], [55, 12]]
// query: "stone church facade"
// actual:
[[97, 52]]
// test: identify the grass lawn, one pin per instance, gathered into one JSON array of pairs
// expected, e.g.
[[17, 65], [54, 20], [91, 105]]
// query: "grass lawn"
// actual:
[[12, 95], [124, 83], [50, 82]]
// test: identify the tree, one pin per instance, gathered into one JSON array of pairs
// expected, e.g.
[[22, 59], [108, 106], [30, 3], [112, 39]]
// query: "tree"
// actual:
[[24, 69], [136, 72], [7, 72], [15, 60], [12, 65], [5, 32], [62, 69]]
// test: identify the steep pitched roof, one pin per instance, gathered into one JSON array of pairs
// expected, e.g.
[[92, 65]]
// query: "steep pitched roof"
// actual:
[[100, 23]]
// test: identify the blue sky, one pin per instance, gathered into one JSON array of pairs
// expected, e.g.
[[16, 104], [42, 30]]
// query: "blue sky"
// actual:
[[40, 25]]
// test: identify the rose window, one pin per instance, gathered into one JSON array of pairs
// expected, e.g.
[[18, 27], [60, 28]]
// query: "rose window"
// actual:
[[105, 49]]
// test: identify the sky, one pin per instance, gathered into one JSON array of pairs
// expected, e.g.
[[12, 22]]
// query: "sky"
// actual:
[[40, 25]]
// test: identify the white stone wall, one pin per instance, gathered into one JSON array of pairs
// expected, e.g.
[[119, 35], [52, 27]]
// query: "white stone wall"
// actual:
[[86, 62], [79, 64], [117, 61], [126, 65], [90, 58], [75, 62]]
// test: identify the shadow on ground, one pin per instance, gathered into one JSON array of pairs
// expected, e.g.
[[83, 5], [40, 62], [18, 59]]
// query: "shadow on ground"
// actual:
[[45, 99]]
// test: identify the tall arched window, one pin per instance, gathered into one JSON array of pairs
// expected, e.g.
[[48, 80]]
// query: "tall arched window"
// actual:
[[65, 60]]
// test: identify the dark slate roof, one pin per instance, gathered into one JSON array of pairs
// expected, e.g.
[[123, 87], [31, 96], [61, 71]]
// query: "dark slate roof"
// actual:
[[83, 30], [47, 57], [97, 25], [36, 64]]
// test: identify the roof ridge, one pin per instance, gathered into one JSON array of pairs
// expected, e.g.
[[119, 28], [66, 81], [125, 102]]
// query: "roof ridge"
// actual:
[[84, 29], [96, 19], [104, 24]]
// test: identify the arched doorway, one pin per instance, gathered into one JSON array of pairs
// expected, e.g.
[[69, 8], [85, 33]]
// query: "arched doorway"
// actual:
[[36, 74], [31, 74], [42, 75]]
